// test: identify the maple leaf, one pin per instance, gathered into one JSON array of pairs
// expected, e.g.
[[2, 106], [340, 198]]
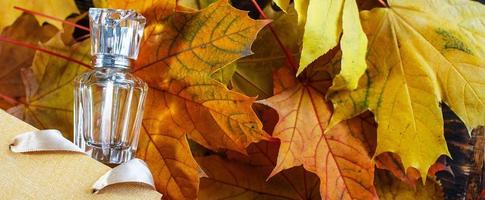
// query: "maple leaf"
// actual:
[[388, 187], [183, 61], [353, 45], [250, 74], [49, 86], [179, 54], [14, 58], [228, 176], [60, 9], [392, 163], [418, 57], [324, 22], [340, 157]]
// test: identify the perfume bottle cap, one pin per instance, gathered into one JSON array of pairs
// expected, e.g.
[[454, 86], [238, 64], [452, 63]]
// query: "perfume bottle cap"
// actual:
[[115, 36]]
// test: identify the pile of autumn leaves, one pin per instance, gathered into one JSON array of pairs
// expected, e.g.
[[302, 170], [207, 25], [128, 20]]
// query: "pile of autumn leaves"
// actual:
[[398, 60]]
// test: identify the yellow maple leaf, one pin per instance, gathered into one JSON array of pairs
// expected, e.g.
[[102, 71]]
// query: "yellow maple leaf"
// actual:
[[49, 89], [60, 9], [14, 59], [324, 22], [420, 53], [354, 48]]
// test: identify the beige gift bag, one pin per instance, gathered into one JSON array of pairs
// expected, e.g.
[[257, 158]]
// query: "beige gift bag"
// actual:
[[56, 175]]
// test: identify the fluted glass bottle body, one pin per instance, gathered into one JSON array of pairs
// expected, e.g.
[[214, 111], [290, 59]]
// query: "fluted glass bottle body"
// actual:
[[108, 111]]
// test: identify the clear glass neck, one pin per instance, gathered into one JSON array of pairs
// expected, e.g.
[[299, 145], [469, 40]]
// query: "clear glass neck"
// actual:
[[111, 61]]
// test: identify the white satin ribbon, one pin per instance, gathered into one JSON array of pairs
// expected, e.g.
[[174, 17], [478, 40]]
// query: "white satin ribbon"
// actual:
[[133, 171], [42, 140]]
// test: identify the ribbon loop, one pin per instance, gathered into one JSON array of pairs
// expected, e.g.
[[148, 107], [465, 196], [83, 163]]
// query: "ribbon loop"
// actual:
[[42, 140], [133, 171]]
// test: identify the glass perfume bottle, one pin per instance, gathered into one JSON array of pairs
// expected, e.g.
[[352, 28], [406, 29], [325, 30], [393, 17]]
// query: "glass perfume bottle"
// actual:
[[109, 101]]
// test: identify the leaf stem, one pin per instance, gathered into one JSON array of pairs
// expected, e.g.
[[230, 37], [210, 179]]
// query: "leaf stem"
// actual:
[[287, 53], [9, 99], [383, 2], [51, 17], [31, 46]]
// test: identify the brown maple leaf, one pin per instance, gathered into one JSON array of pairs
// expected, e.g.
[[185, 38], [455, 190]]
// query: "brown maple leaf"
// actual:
[[237, 176]]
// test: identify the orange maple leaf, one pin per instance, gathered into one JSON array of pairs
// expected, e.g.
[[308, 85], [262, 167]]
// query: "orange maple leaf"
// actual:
[[340, 157], [179, 53]]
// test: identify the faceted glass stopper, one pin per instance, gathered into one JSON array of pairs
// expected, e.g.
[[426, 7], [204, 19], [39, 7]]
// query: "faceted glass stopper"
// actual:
[[115, 32]]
